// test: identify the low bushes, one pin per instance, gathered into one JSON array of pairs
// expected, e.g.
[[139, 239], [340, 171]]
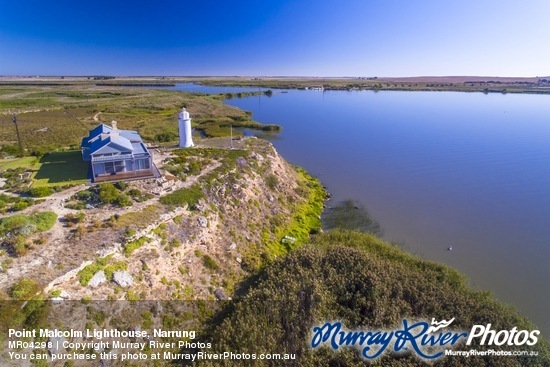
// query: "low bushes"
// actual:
[[24, 289], [189, 196], [17, 228], [14, 203], [40, 192], [134, 245], [26, 225]]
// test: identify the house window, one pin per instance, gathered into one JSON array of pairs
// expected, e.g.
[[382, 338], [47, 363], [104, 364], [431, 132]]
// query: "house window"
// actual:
[[112, 168], [141, 164]]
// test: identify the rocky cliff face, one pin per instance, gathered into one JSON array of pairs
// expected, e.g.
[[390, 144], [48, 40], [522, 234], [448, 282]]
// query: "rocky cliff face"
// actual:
[[217, 216]]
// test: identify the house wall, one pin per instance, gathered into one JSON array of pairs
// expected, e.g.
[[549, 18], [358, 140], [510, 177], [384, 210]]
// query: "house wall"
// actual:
[[110, 167]]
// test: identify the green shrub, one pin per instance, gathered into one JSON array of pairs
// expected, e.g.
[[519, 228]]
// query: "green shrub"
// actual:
[[164, 137], [40, 192], [189, 196], [123, 200], [10, 150], [194, 168], [44, 220], [86, 274], [111, 268], [132, 296], [210, 263], [108, 193], [121, 185], [24, 289], [271, 181], [134, 245], [76, 206], [55, 293], [84, 195], [75, 218], [20, 205], [134, 193]]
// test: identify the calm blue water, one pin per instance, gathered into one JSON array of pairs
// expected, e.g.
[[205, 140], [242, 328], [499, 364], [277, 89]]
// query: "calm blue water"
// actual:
[[436, 169], [197, 88]]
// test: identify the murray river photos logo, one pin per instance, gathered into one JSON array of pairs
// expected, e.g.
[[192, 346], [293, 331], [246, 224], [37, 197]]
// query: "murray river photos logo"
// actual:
[[428, 341]]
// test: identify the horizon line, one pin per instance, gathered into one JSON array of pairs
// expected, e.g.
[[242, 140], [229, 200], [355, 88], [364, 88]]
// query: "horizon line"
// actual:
[[267, 76]]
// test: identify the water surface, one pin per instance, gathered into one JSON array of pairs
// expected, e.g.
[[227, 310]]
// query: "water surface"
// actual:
[[436, 169]]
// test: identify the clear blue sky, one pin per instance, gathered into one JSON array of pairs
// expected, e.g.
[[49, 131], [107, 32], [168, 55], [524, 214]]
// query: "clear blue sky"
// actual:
[[287, 37]]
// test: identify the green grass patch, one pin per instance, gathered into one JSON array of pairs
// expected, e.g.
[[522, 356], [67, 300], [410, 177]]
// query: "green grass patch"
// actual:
[[131, 246], [302, 223], [53, 169], [61, 168], [305, 218], [189, 196], [31, 163]]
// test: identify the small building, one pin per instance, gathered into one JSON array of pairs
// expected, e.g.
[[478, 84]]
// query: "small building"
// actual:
[[116, 155]]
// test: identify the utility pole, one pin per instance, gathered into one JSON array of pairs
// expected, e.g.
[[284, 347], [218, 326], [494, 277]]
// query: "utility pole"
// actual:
[[18, 136]]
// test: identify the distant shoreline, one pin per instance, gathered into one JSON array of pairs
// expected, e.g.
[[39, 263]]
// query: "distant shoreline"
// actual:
[[504, 85]]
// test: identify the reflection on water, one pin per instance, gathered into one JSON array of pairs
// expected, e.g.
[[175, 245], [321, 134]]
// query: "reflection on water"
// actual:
[[350, 215], [436, 169]]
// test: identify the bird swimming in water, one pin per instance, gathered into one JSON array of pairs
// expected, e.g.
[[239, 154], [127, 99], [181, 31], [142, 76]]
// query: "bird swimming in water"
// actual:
[[450, 248]]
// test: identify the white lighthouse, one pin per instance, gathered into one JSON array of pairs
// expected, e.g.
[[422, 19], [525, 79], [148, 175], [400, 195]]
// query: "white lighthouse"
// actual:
[[184, 124]]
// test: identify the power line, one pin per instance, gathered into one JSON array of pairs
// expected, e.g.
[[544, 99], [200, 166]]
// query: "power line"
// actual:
[[18, 136]]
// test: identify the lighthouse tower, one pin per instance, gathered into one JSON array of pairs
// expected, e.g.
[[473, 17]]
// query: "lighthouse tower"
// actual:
[[184, 124]]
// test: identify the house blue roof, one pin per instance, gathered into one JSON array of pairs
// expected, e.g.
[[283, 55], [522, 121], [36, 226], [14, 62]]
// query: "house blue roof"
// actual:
[[104, 140], [100, 129]]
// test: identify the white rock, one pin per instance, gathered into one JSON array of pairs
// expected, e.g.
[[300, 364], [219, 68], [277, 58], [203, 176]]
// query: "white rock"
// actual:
[[97, 279], [123, 278], [56, 300], [203, 222], [242, 162], [220, 294]]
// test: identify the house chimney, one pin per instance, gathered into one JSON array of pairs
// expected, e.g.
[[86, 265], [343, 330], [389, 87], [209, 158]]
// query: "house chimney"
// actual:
[[113, 125]]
